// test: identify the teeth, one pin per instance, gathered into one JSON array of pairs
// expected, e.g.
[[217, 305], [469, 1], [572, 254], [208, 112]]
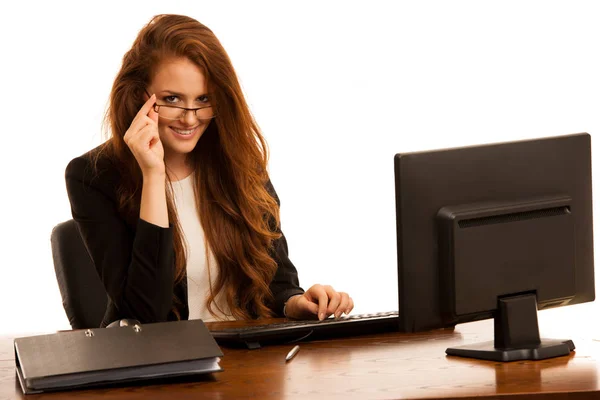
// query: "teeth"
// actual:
[[183, 132]]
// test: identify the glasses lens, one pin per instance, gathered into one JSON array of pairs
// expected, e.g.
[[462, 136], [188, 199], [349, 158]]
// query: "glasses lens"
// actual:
[[168, 112], [205, 113]]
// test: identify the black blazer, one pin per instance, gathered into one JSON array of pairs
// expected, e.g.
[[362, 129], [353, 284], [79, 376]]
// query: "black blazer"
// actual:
[[135, 259]]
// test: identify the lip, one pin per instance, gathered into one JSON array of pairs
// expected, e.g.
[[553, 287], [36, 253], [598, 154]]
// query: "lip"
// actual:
[[184, 137]]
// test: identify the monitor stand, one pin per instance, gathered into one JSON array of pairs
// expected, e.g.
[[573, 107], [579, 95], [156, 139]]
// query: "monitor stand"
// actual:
[[516, 335]]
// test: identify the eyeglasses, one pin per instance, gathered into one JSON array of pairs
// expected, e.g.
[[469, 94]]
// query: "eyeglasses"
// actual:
[[171, 112]]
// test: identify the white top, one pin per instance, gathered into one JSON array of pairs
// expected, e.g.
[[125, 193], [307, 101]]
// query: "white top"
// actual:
[[201, 264]]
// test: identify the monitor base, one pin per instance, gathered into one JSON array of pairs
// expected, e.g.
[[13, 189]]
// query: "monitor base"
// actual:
[[516, 334], [548, 348]]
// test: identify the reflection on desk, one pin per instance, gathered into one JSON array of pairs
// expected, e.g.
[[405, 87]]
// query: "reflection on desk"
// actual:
[[385, 366]]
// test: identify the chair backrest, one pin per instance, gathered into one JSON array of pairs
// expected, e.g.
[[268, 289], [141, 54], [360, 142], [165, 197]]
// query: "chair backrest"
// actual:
[[83, 295]]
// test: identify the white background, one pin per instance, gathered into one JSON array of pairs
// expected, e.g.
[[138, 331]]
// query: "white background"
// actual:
[[338, 88]]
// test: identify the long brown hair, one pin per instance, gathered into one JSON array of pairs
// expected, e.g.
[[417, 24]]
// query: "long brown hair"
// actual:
[[237, 212]]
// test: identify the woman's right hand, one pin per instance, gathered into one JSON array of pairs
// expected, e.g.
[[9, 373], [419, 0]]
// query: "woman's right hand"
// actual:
[[144, 142]]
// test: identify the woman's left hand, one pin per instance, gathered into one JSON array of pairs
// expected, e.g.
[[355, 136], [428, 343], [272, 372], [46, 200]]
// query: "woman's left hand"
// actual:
[[319, 301]]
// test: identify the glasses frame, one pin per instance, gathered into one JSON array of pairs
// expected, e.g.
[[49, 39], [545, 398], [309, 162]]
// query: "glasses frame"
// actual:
[[156, 108]]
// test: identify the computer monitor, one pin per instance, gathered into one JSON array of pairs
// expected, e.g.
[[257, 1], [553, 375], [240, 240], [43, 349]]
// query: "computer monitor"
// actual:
[[495, 231]]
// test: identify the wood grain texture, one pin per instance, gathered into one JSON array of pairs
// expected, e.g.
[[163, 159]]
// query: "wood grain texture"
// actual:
[[386, 366]]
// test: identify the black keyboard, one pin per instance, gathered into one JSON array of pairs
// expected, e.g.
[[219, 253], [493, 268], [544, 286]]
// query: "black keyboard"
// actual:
[[292, 331]]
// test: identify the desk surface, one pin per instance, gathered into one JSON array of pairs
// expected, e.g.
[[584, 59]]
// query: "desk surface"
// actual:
[[386, 366]]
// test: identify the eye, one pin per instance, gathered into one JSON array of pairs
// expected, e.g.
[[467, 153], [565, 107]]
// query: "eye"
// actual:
[[170, 99], [204, 99]]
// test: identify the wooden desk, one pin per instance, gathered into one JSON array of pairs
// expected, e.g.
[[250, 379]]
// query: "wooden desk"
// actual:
[[387, 366]]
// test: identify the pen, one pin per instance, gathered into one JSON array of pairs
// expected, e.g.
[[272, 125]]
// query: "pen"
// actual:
[[292, 353]]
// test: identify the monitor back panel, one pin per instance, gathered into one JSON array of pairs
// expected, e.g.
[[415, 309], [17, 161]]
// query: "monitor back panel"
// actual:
[[427, 181]]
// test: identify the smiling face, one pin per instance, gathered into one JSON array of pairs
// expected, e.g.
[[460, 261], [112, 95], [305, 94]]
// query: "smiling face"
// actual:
[[179, 82]]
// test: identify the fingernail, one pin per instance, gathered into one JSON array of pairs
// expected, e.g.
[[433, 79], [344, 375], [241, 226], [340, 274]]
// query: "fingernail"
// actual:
[[347, 311], [338, 315], [321, 316]]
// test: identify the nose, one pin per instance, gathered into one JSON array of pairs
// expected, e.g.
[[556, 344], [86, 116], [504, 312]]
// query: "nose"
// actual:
[[189, 117]]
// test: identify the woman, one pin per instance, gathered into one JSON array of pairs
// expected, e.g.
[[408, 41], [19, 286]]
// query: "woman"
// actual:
[[176, 209]]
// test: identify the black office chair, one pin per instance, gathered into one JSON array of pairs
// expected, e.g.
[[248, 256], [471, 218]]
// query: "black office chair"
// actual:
[[83, 295]]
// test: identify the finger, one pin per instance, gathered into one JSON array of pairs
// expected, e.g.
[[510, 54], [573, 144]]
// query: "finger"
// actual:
[[310, 293], [144, 139], [153, 115], [296, 307], [318, 293], [137, 126], [143, 112], [301, 307], [334, 300], [351, 306], [344, 303], [309, 306], [147, 105], [308, 303]]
